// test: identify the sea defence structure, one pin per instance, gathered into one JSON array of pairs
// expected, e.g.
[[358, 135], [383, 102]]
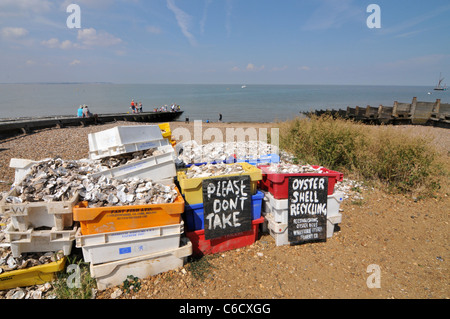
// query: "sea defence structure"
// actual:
[[415, 113], [12, 126]]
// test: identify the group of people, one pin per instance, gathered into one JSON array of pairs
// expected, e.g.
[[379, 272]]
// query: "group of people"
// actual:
[[136, 107], [83, 111], [165, 108]]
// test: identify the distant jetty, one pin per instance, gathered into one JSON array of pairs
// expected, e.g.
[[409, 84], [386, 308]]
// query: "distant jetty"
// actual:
[[24, 125], [415, 113]]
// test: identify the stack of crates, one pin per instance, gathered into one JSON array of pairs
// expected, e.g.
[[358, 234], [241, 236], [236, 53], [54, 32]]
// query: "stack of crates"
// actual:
[[275, 204], [191, 189], [139, 240], [39, 226], [129, 139]]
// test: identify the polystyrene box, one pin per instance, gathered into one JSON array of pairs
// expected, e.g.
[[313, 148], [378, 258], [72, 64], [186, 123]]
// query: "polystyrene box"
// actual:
[[107, 247], [115, 273]]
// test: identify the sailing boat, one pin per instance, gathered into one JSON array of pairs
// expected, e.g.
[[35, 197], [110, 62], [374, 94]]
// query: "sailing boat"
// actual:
[[439, 87]]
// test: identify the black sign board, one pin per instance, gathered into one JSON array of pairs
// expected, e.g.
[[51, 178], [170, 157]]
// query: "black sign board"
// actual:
[[307, 209], [227, 206]]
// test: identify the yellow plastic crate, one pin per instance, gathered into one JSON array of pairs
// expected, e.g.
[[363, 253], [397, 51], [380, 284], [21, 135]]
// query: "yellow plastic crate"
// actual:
[[37, 275], [191, 188], [167, 133], [165, 130]]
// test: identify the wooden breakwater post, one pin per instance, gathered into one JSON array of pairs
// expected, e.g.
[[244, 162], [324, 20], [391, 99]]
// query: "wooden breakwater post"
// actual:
[[414, 113]]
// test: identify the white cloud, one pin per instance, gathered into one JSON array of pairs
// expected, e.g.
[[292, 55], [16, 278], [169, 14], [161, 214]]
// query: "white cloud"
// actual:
[[183, 20], [205, 14], [252, 67], [86, 38], [54, 43], [90, 37], [304, 68], [11, 32], [75, 62], [333, 14]]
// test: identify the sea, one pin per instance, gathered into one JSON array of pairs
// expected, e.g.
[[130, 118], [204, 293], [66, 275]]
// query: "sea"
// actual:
[[236, 103]]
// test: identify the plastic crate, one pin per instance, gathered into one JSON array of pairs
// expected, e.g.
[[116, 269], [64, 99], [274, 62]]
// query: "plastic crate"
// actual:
[[194, 214], [261, 160], [21, 168], [155, 168], [107, 247], [201, 246], [279, 207], [167, 133], [98, 220], [279, 231], [124, 139], [115, 273], [36, 275], [192, 189], [57, 215], [277, 184], [35, 241]]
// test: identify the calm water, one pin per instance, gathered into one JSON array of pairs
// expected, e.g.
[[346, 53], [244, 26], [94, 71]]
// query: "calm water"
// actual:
[[255, 103]]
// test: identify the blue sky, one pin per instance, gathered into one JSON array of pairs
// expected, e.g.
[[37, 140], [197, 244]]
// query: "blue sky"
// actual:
[[225, 42]]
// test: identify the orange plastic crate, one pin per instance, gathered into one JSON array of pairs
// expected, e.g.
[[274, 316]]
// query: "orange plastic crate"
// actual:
[[119, 218]]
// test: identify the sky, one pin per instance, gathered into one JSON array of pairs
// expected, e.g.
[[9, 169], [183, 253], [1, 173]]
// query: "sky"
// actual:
[[403, 42]]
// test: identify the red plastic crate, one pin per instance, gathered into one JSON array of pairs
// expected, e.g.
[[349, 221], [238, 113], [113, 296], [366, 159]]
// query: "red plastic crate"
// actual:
[[201, 246], [277, 184]]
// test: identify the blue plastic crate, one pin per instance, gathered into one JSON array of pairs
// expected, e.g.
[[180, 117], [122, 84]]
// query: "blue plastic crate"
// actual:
[[263, 159], [230, 160], [194, 216]]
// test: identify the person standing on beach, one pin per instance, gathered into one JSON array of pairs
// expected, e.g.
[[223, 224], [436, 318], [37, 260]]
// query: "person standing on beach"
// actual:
[[133, 106], [140, 107], [220, 117]]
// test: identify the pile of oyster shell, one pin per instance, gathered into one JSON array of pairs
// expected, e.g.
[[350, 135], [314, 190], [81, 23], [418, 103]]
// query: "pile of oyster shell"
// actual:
[[210, 170], [288, 168], [190, 152], [55, 180]]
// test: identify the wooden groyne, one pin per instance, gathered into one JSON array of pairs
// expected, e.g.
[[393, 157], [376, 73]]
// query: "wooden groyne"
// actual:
[[26, 125], [415, 113]]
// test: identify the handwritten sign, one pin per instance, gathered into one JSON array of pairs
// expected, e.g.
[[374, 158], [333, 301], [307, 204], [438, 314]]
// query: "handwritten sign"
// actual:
[[307, 205], [227, 206]]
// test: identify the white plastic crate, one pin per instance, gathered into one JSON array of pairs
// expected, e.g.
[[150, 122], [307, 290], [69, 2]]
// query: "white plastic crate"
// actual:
[[156, 168], [31, 240], [115, 273], [279, 231], [57, 215], [279, 207], [21, 168], [112, 246], [125, 139]]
